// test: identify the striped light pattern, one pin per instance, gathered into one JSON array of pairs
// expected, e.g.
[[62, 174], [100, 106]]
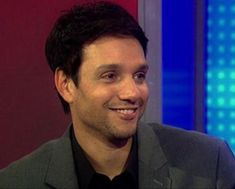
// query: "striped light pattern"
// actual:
[[221, 70]]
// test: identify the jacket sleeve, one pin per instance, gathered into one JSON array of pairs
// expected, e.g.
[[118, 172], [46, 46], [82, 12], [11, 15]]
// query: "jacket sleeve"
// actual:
[[225, 168]]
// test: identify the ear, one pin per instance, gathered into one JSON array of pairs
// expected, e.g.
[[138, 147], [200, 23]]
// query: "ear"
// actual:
[[64, 85]]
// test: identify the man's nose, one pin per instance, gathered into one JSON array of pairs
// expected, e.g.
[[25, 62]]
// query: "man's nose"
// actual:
[[129, 91]]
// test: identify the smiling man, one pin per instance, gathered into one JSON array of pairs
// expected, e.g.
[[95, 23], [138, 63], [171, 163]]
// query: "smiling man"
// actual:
[[112, 92], [97, 53]]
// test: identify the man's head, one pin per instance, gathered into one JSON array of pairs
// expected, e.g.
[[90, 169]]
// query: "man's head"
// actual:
[[81, 26]]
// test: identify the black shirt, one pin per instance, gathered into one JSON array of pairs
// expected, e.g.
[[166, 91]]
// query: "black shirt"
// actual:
[[89, 179]]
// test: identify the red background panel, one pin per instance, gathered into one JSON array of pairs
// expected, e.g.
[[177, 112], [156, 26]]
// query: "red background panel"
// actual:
[[30, 112]]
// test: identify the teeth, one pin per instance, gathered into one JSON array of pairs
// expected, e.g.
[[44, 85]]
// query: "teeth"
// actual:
[[126, 111]]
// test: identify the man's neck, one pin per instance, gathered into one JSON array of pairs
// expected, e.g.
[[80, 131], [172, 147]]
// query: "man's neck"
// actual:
[[108, 158]]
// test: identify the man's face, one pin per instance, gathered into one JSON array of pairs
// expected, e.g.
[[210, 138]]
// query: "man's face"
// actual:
[[112, 91]]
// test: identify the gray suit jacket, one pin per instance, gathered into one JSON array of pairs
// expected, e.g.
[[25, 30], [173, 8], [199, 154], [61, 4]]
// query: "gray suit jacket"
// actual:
[[168, 158]]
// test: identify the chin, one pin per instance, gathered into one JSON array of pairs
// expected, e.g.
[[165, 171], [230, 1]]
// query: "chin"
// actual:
[[122, 130], [125, 135], [121, 139]]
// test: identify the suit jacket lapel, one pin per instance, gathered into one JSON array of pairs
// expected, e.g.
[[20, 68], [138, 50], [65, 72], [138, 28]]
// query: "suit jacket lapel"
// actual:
[[61, 169], [153, 168], [152, 162]]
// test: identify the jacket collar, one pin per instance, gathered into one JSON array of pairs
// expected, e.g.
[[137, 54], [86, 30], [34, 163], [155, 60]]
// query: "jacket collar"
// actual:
[[153, 167], [61, 172]]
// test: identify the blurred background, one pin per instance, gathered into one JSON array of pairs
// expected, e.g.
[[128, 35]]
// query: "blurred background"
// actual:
[[192, 69]]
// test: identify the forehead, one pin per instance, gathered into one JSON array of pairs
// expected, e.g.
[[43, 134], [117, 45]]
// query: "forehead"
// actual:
[[115, 51]]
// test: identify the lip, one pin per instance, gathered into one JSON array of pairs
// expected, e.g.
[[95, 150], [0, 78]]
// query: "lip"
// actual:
[[126, 113]]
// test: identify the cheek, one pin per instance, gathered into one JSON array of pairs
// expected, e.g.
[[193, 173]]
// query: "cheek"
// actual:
[[101, 94]]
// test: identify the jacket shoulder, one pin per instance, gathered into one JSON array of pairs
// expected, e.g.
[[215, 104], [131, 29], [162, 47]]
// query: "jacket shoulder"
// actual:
[[181, 141], [197, 154], [188, 150], [182, 135], [28, 170]]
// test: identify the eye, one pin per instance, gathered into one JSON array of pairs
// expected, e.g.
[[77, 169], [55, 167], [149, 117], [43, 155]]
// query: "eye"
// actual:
[[140, 77], [109, 76]]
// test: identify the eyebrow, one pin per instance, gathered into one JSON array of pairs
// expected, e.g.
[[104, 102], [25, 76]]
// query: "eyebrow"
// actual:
[[108, 67], [143, 66]]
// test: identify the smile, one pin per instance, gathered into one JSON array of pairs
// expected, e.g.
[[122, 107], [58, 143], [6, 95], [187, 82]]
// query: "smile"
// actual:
[[126, 111]]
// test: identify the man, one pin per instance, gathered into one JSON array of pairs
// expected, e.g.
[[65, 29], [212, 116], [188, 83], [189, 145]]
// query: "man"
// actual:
[[97, 53]]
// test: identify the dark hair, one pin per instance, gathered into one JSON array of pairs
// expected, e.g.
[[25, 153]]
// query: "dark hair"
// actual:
[[82, 25]]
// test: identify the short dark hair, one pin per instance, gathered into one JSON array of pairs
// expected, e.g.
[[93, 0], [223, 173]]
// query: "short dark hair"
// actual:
[[82, 25]]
